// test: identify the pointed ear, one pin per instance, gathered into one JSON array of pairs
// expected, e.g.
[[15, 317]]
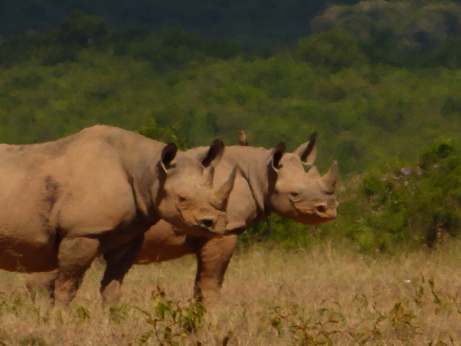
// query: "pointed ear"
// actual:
[[214, 153], [329, 179], [313, 173], [221, 193], [276, 156], [167, 156], [307, 152]]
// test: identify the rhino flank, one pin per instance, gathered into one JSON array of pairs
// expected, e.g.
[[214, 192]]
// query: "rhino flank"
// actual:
[[267, 181], [64, 203]]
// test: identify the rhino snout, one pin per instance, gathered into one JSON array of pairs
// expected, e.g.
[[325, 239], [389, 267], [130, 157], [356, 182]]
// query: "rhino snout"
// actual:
[[331, 213], [207, 222], [323, 211], [213, 224]]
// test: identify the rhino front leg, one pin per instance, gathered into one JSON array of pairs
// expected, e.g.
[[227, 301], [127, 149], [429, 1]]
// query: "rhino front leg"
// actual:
[[42, 283], [75, 257], [118, 262], [213, 257]]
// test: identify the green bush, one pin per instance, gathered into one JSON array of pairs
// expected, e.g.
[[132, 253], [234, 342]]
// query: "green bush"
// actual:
[[335, 49], [170, 134], [402, 206], [172, 322], [280, 231]]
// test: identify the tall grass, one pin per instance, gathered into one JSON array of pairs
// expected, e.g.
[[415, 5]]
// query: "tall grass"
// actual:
[[327, 295]]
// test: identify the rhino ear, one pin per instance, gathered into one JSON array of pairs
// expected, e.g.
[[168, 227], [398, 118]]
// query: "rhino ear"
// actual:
[[277, 155], [307, 152], [329, 179], [167, 156], [214, 153]]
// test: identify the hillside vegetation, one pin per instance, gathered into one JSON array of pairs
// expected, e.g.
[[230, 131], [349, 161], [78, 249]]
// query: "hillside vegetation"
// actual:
[[377, 108]]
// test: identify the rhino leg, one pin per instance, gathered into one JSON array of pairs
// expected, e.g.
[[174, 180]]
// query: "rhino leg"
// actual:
[[213, 257], [118, 262], [74, 257], [42, 284]]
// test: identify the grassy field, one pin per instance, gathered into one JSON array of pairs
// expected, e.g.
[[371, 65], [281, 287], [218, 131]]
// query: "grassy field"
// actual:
[[326, 295]]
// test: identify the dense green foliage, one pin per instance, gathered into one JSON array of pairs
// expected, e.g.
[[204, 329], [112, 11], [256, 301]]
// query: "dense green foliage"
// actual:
[[367, 106], [416, 32], [56, 82], [397, 206]]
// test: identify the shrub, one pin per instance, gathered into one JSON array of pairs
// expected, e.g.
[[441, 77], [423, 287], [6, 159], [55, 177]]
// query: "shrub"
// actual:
[[406, 205], [171, 321]]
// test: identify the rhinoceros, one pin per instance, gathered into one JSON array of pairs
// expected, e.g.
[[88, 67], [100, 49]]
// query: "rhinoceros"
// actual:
[[96, 192], [267, 181]]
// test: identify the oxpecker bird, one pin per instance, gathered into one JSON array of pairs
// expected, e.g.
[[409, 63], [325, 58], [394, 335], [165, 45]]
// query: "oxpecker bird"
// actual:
[[242, 138]]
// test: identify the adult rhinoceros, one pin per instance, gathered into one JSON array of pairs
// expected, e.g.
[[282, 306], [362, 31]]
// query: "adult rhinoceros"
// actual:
[[96, 192], [267, 181]]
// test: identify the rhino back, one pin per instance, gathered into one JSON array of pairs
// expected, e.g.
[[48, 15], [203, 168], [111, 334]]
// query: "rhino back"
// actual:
[[251, 198], [253, 163]]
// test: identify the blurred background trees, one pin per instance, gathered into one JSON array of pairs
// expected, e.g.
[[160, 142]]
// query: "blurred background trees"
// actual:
[[378, 80]]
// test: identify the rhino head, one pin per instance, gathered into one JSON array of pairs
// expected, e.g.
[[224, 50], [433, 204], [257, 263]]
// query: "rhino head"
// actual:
[[187, 190], [305, 197]]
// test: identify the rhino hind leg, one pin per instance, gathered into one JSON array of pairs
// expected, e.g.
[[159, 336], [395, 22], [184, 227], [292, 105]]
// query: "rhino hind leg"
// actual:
[[75, 257], [213, 257], [118, 262]]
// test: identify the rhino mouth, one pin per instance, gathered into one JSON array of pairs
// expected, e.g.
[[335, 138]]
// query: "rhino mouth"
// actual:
[[205, 232], [236, 231], [317, 214]]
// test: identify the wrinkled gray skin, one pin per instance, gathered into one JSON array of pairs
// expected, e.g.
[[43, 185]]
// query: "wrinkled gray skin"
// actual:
[[64, 203], [267, 181]]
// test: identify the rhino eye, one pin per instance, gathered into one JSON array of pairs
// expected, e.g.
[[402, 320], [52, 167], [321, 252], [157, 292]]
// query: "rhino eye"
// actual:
[[182, 199], [294, 194]]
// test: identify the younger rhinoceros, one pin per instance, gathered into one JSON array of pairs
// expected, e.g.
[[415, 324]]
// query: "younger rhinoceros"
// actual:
[[273, 181], [267, 181], [63, 203]]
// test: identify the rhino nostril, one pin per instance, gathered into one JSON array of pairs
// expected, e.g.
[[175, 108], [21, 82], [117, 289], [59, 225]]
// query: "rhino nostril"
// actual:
[[207, 223], [321, 208]]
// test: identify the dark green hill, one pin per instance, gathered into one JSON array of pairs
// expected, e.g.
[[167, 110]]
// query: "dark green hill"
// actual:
[[258, 22]]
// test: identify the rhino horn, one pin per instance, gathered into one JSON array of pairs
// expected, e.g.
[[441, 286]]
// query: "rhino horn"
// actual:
[[307, 152], [221, 193], [329, 179], [207, 177], [276, 156], [167, 156], [313, 173]]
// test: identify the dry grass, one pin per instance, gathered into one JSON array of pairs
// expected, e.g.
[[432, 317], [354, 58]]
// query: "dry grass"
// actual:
[[275, 297]]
